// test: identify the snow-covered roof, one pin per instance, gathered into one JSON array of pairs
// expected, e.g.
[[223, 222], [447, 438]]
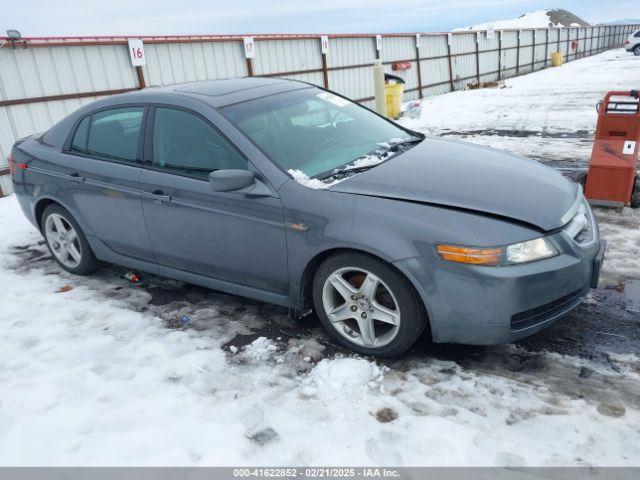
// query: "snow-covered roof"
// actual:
[[537, 19]]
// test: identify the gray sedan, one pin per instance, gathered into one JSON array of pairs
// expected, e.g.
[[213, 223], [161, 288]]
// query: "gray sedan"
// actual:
[[287, 193]]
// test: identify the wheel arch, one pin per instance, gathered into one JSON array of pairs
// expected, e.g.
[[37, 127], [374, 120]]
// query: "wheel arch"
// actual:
[[311, 268], [39, 208], [44, 201]]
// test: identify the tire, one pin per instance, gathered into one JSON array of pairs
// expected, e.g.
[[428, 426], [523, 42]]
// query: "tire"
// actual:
[[380, 300], [68, 247], [636, 50]]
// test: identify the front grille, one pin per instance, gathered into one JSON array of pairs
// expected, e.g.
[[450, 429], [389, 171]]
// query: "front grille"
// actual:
[[545, 312]]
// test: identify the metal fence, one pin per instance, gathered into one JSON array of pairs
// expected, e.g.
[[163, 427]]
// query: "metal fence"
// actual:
[[44, 79]]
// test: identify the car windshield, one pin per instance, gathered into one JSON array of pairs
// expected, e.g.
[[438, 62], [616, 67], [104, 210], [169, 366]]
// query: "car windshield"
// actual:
[[316, 132]]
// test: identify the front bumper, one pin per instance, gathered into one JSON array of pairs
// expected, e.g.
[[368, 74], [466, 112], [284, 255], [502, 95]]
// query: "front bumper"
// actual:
[[479, 305]]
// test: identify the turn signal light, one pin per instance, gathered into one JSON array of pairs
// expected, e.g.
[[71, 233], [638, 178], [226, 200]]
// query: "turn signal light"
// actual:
[[472, 255]]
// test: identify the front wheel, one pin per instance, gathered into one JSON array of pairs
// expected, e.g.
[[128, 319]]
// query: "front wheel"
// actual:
[[636, 51], [367, 305], [66, 241]]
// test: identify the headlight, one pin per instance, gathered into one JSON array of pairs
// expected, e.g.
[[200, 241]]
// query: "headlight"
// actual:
[[523, 252], [530, 251]]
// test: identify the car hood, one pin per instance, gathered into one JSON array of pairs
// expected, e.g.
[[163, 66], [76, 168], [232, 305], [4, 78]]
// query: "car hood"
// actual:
[[461, 175]]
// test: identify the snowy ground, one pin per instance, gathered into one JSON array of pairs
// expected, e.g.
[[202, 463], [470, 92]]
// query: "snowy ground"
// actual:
[[99, 371]]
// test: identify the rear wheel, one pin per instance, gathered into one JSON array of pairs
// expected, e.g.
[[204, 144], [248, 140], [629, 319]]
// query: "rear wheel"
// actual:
[[66, 241], [636, 51], [367, 306]]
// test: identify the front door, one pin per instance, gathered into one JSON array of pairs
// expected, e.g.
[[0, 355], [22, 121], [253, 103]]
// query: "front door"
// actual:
[[223, 235]]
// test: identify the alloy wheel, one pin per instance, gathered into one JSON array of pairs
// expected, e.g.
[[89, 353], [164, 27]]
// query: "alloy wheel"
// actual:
[[63, 240], [361, 307]]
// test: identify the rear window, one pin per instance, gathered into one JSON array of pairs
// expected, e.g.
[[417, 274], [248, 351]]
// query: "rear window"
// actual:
[[111, 134]]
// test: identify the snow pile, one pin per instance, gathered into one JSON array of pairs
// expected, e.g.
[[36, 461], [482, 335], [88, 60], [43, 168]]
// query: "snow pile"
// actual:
[[260, 350], [536, 19], [352, 378]]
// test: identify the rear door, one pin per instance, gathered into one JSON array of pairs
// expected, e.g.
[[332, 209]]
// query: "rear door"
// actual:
[[104, 156], [223, 235]]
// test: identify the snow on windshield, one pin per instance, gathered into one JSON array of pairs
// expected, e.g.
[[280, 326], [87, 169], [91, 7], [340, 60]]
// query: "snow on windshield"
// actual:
[[370, 160]]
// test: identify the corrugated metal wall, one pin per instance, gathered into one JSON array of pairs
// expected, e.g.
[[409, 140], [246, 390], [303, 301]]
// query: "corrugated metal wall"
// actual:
[[43, 80]]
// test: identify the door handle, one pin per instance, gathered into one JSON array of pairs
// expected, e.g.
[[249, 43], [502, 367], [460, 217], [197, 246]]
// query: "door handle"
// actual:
[[157, 196], [76, 178]]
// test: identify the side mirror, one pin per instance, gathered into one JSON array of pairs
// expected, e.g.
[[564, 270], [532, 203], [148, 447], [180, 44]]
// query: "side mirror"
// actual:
[[230, 180]]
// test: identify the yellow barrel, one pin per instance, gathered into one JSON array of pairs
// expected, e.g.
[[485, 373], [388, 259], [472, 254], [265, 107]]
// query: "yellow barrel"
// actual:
[[556, 59], [394, 93]]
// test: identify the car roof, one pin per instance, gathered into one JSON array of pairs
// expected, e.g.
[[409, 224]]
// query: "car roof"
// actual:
[[219, 93], [215, 93]]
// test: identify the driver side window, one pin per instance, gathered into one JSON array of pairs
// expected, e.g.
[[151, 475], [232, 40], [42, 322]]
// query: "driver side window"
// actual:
[[186, 144]]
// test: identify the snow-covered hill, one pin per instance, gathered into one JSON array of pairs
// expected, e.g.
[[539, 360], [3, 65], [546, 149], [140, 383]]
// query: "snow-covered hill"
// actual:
[[537, 19]]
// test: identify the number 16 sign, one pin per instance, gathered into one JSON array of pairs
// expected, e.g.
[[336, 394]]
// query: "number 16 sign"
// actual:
[[136, 52]]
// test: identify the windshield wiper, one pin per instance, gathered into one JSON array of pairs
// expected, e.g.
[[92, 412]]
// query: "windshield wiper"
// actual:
[[407, 141], [382, 152]]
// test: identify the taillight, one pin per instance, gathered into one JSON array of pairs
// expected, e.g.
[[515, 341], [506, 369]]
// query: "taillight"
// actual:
[[13, 165], [627, 42]]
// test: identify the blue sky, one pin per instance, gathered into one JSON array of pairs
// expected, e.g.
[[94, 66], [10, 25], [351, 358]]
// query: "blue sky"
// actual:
[[90, 17]]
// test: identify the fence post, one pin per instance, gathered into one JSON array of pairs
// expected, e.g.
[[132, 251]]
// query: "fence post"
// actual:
[[533, 52], [518, 55], [546, 49], [140, 75], [449, 58], [323, 52], [248, 44], [568, 37], [478, 58], [558, 39], [499, 54], [418, 66]]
